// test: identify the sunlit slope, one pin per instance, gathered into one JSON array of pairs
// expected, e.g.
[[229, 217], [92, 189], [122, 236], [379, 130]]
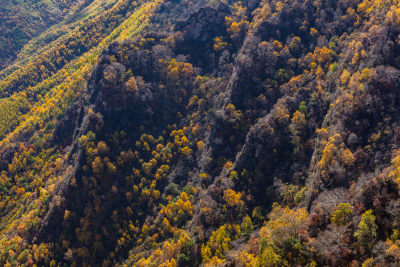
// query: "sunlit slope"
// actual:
[[45, 99], [73, 53], [23, 20], [55, 34]]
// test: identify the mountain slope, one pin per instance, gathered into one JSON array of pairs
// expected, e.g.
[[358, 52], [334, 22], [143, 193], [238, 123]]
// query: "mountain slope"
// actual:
[[23, 20], [253, 133]]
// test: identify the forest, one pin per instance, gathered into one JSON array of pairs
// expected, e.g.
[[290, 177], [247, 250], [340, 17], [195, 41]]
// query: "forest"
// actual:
[[254, 133]]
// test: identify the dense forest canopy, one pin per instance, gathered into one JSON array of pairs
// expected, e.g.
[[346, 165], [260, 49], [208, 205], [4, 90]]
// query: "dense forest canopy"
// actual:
[[199, 133], [21, 21]]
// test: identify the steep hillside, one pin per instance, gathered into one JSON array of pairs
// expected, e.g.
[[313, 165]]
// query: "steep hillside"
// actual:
[[212, 133], [23, 20]]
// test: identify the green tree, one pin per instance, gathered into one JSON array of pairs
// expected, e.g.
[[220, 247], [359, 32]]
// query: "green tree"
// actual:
[[341, 216], [268, 257], [246, 226], [366, 232]]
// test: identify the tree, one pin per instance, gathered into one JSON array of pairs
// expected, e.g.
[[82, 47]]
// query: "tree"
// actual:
[[219, 44], [219, 243], [232, 198], [335, 153], [285, 223], [366, 232], [268, 257], [131, 85], [97, 165], [295, 44], [341, 216], [296, 128], [246, 226], [393, 250], [102, 148]]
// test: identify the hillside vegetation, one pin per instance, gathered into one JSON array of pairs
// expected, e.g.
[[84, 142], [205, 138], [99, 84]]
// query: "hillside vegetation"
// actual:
[[204, 133], [21, 21]]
